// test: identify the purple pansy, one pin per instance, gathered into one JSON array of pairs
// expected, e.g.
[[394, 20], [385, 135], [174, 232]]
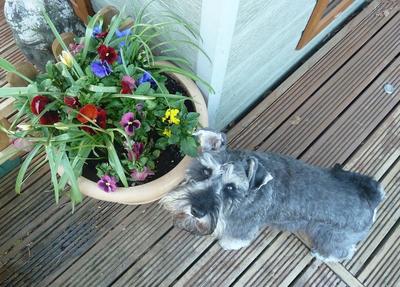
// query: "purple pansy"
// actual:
[[141, 175], [96, 30], [107, 183], [129, 123], [139, 107], [121, 34], [100, 69], [136, 151], [147, 77]]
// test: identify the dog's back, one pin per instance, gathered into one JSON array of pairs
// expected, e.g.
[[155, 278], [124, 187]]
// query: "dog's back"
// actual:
[[370, 189]]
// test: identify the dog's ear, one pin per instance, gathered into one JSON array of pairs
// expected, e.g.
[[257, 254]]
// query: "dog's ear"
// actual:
[[257, 174], [210, 140]]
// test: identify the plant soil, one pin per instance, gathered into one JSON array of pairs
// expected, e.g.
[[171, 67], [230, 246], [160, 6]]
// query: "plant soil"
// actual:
[[168, 158]]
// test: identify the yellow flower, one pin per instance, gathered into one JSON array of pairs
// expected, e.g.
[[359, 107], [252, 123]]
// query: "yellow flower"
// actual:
[[67, 59], [167, 132], [171, 116]]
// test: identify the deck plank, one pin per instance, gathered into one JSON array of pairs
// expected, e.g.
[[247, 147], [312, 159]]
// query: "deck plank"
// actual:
[[384, 268], [338, 93]]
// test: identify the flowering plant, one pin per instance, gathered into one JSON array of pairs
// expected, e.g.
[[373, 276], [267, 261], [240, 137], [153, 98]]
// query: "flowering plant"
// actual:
[[106, 97]]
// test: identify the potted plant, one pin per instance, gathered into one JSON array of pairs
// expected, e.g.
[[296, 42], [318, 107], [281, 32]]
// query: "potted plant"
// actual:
[[113, 117]]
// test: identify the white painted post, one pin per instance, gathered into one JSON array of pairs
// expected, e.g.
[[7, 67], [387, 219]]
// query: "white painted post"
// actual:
[[218, 19]]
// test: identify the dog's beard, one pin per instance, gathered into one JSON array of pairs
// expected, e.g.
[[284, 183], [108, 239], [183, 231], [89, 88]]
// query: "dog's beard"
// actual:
[[193, 225], [177, 202]]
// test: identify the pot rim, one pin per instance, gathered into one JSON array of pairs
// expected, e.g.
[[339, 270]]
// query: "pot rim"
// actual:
[[155, 189]]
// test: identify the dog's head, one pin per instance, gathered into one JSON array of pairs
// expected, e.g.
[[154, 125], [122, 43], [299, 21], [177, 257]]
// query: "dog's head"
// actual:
[[216, 185]]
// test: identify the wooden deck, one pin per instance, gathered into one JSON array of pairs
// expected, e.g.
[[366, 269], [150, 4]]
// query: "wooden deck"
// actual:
[[333, 109]]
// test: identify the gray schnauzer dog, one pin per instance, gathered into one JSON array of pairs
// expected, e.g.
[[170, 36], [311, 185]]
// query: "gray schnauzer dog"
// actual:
[[232, 195]]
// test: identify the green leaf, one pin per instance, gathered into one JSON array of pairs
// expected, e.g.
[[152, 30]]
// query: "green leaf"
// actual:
[[76, 66], [115, 162], [153, 96], [24, 168], [190, 75], [79, 160], [103, 89], [54, 162], [189, 146], [115, 22], [7, 66], [17, 91], [76, 195], [143, 89], [136, 97]]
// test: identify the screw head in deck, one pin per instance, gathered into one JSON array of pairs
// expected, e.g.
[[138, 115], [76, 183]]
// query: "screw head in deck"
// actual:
[[389, 88]]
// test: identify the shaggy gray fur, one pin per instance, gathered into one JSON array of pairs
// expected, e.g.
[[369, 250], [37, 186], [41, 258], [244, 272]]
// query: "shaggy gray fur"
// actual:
[[235, 194]]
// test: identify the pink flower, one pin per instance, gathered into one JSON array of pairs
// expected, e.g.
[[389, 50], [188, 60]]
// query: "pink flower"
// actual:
[[136, 151], [22, 144], [141, 175], [127, 84], [129, 123], [75, 48], [107, 183]]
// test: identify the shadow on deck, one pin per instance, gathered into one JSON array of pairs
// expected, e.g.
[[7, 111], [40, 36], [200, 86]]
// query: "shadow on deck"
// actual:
[[333, 109]]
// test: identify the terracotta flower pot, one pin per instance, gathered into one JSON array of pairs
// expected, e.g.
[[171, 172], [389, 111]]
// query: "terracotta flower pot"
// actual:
[[68, 38], [25, 68], [155, 189]]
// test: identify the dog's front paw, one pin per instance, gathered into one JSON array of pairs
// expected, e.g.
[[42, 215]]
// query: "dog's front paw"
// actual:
[[233, 244]]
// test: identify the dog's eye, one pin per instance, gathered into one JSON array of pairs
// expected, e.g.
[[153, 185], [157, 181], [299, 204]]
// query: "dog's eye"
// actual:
[[207, 171], [229, 187]]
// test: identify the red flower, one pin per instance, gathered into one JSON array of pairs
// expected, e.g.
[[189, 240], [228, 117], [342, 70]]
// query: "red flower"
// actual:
[[96, 114], [101, 118], [107, 54], [38, 104], [101, 35], [71, 101], [49, 118], [127, 84], [89, 111]]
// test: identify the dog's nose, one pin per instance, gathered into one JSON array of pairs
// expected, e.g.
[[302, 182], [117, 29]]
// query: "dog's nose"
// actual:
[[197, 212]]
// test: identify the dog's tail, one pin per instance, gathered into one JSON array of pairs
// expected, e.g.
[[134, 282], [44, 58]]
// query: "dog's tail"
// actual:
[[371, 189]]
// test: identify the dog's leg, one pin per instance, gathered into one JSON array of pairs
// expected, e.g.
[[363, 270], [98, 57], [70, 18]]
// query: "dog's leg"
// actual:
[[228, 243], [334, 246]]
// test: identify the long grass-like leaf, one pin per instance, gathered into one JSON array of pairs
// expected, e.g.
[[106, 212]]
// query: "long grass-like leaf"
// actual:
[[103, 89], [54, 162], [170, 69], [116, 21], [189, 43], [24, 167], [7, 92], [135, 97], [76, 195], [115, 162], [121, 53], [83, 151], [151, 97], [20, 113], [7, 66], [77, 67], [89, 35]]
